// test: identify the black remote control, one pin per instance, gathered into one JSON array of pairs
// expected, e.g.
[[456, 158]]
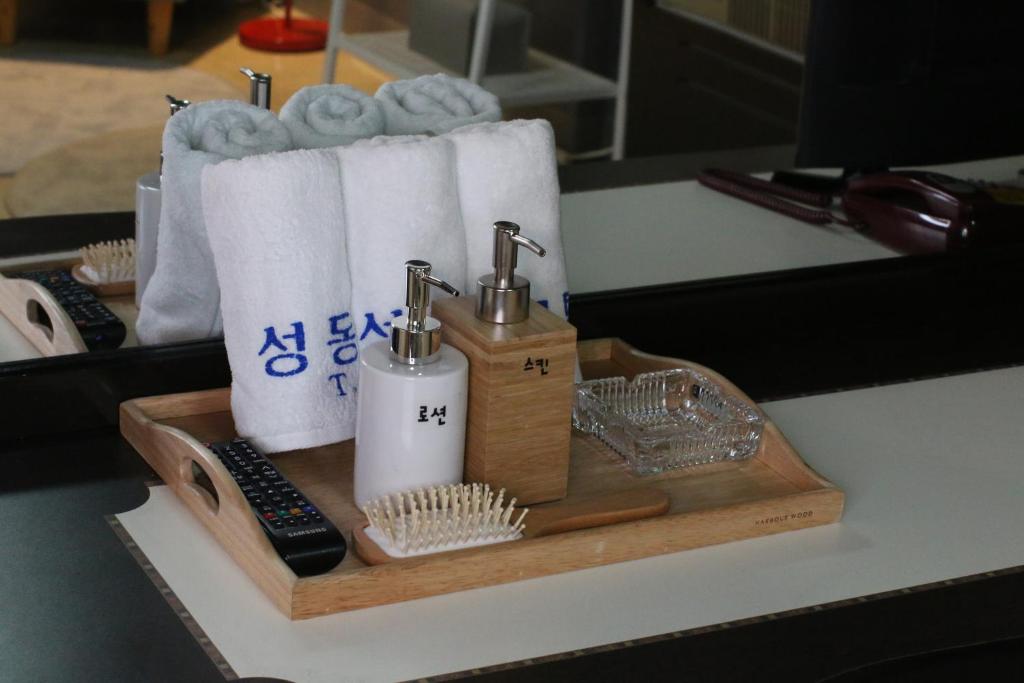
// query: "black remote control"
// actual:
[[304, 538], [99, 328]]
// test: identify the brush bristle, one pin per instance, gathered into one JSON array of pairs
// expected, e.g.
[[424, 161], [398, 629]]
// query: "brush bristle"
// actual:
[[108, 262], [441, 518]]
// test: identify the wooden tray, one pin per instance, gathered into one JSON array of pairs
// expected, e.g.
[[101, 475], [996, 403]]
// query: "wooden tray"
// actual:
[[40, 319], [772, 492]]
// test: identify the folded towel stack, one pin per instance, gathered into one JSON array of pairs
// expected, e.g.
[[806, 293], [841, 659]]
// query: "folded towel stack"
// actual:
[[310, 249], [435, 105], [181, 301], [310, 245], [399, 205], [276, 226], [507, 171], [331, 115]]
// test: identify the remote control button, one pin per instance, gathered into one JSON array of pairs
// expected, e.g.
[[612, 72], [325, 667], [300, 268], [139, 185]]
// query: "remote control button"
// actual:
[[277, 524], [299, 502], [295, 511], [317, 518], [303, 519], [290, 521], [308, 508], [269, 515]]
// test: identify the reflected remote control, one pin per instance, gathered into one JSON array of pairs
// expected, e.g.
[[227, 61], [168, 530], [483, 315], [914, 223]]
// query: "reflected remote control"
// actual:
[[96, 324], [304, 538]]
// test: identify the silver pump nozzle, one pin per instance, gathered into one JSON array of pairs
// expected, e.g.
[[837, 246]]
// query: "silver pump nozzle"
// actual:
[[416, 338], [505, 296], [259, 88], [176, 104]]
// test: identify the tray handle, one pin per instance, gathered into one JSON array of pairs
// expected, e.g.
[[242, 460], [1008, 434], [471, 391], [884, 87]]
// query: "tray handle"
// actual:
[[171, 452], [227, 505], [227, 494], [22, 301]]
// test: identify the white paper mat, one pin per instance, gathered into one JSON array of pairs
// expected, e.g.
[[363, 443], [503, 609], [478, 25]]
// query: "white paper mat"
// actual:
[[932, 472]]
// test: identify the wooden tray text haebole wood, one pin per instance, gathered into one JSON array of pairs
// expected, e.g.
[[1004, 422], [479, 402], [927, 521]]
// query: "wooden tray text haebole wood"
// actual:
[[772, 492]]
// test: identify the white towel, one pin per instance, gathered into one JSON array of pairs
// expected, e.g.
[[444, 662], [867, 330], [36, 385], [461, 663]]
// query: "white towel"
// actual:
[[182, 300], [435, 104], [331, 115], [276, 228], [401, 203], [507, 172]]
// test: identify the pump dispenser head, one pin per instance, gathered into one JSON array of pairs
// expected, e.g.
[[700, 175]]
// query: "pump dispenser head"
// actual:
[[259, 88], [505, 296], [176, 104], [416, 338]]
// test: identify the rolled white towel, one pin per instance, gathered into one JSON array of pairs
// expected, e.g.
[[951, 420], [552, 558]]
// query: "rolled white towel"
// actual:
[[507, 172], [331, 115], [276, 227], [400, 204], [182, 300], [435, 104]]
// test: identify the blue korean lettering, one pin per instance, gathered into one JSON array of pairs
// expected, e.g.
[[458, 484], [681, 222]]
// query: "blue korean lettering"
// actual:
[[290, 362], [345, 351], [376, 328]]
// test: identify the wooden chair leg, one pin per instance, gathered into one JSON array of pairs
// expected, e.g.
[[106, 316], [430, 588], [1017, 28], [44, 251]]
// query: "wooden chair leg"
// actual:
[[8, 21], [161, 12]]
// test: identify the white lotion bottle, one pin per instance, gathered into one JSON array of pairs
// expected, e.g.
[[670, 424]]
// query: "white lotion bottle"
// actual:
[[147, 217], [411, 417]]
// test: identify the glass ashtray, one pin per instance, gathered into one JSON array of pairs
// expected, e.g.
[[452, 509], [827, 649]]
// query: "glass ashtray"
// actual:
[[667, 420]]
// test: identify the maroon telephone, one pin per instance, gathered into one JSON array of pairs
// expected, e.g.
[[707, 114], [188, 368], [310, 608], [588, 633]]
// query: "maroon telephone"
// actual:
[[920, 211]]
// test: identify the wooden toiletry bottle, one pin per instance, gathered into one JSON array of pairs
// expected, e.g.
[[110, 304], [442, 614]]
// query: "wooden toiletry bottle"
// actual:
[[522, 361]]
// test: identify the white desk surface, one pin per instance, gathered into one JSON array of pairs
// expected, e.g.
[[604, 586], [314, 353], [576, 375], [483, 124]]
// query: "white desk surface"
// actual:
[[679, 232], [676, 232], [933, 472]]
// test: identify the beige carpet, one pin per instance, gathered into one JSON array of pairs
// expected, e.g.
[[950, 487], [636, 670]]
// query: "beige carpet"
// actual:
[[90, 176], [52, 98], [80, 121]]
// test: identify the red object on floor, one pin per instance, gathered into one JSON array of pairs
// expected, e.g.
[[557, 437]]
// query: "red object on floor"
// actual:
[[284, 34]]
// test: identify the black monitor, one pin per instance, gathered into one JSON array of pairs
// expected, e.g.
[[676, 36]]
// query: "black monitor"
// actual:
[[911, 82]]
